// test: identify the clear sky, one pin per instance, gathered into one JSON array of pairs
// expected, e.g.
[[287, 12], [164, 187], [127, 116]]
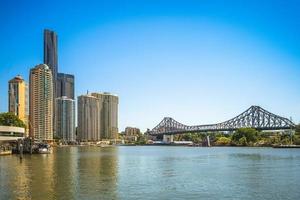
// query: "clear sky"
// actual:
[[200, 62]]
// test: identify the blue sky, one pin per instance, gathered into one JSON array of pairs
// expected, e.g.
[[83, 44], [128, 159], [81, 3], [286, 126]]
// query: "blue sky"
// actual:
[[196, 61]]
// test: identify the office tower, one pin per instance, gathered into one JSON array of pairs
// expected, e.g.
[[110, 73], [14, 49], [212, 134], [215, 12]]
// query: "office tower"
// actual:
[[41, 102], [50, 52], [109, 115], [65, 119], [88, 108], [65, 85], [18, 99], [51, 60]]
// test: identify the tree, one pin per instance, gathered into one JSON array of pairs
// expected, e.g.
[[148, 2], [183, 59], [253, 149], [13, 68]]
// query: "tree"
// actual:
[[10, 119], [223, 141], [297, 129], [249, 135]]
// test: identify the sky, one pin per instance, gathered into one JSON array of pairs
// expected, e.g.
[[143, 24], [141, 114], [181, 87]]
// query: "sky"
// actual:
[[198, 61]]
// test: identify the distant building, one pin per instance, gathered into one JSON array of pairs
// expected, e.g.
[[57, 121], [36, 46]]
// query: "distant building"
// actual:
[[109, 114], [18, 98], [88, 108], [65, 119], [132, 134], [65, 85], [41, 102], [132, 131]]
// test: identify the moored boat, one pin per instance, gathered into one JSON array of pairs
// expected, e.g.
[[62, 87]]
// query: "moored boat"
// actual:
[[44, 149]]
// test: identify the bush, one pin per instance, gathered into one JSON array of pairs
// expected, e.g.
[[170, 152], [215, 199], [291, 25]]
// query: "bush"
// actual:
[[249, 135], [223, 141]]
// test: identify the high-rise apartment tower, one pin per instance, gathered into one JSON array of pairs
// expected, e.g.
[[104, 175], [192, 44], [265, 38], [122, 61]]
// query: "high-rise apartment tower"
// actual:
[[41, 102], [18, 99]]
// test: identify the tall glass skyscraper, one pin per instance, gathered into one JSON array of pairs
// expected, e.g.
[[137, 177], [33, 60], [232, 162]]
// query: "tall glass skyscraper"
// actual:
[[65, 85], [65, 119], [50, 52]]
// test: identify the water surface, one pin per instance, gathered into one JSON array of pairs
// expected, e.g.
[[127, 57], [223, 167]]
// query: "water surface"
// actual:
[[153, 172]]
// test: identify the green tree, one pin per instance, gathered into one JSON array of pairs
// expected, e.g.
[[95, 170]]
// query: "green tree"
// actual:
[[249, 136], [243, 141], [10, 119], [297, 129], [223, 141]]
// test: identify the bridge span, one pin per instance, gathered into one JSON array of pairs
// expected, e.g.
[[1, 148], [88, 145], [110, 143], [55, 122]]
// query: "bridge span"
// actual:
[[254, 117]]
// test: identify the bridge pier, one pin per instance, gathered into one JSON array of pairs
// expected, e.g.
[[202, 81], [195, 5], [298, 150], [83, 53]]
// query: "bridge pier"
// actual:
[[208, 141], [168, 138]]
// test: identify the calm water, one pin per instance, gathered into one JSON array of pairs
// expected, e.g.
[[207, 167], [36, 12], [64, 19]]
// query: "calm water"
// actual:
[[153, 173]]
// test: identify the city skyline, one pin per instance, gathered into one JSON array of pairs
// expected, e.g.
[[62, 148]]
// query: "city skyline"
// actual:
[[194, 67]]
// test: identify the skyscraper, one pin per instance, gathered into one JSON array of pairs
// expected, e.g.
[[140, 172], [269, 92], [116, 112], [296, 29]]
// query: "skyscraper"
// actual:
[[50, 52], [18, 98], [65, 119], [65, 85], [51, 60], [109, 114], [41, 102], [88, 118]]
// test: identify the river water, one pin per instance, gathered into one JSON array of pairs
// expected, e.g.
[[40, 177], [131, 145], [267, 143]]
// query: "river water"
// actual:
[[152, 172]]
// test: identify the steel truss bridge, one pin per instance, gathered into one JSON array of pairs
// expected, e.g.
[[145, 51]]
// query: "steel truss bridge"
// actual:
[[254, 117]]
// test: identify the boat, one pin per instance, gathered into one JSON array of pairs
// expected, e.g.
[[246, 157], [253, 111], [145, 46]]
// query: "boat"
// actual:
[[44, 149], [5, 150]]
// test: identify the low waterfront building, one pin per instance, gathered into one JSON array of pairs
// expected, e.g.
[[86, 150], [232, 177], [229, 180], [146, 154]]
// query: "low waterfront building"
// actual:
[[11, 133], [65, 119]]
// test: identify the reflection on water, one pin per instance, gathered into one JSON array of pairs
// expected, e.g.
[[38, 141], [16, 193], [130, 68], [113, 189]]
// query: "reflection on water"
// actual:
[[152, 173], [67, 173]]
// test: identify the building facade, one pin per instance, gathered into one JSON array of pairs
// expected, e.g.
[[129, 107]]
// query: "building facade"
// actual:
[[109, 114], [41, 102], [132, 131], [88, 118], [65, 119], [50, 53], [65, 85], [18, 99], [11, 133]]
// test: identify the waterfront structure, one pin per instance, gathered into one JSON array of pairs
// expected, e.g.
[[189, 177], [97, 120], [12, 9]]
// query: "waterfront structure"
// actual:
[[18, 98], [41, 102], [89, 127], [65, 85], [11, 133], [254, 117], [65, 119], [109, 114]]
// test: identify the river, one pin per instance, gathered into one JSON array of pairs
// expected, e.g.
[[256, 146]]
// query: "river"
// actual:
[[152, 172]]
